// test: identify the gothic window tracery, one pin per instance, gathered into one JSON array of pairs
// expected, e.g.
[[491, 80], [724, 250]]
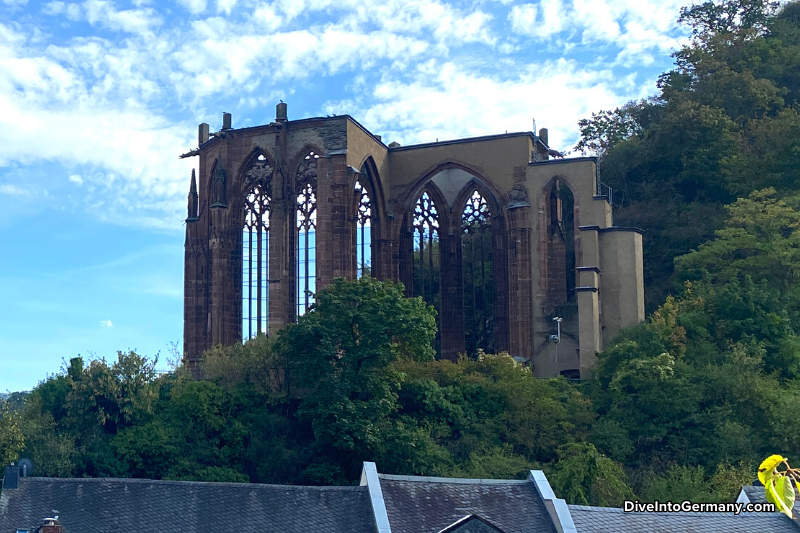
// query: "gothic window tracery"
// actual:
[[255, 248], [306, 231], [363, 230], [427, 256], [478, 274]]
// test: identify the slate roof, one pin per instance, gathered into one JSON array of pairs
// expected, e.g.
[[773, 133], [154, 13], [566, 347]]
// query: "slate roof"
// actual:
[[608, 520], [428, 505], [471, 524], [132, 505], [756, 494]]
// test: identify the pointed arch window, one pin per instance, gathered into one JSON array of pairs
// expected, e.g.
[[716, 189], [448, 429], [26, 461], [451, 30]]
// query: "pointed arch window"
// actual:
[[427, 256], [363, 230], [255, 248], [478, 275], [561, 245], [306, 231]]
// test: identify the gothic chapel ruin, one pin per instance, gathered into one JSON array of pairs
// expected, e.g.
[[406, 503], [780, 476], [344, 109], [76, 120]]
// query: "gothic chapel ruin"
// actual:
[[516, 251]]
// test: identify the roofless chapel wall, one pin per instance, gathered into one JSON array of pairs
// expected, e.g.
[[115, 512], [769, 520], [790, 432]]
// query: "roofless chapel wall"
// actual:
[[497, 263]]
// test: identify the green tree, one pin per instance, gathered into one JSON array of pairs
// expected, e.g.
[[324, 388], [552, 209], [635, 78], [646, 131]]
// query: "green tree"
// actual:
[[12, 440], [340, 355], [116, 395], [749, 274], [710, 18], [584, 476], [52, 451]]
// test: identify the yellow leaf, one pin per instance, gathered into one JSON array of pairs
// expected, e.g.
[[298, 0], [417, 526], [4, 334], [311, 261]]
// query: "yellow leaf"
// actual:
[[781, 492], [767, 469]]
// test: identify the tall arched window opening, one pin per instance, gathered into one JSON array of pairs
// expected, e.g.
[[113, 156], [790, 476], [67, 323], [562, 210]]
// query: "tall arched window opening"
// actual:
[[363, 230], [478, 278], [427, 255], [561, 234], [255, 249], [306, 232]]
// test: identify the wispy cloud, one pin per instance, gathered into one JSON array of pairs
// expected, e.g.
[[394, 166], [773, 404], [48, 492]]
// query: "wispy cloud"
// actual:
[[107, 323], [13, 190], [444, 100], [111, 95]]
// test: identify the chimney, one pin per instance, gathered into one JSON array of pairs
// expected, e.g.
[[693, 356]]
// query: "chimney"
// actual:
[[192, 207], [281, 112], [226, 121], [202, 134], [11, 477], [543, 136], [50, 525], [378, 137]]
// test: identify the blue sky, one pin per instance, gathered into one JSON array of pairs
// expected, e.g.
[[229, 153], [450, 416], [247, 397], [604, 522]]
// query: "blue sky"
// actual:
[[99, 97]]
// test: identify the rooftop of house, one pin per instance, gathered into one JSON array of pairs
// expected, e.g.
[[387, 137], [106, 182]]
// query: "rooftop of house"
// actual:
[[611, 519], [122, 505], [424, 504], [382, 503]]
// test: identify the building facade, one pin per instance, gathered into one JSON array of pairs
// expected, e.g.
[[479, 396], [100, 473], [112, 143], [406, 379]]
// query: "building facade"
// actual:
[[516, 251]]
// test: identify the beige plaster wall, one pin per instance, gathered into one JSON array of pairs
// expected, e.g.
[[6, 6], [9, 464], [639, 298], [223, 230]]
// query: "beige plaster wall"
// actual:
[[360, 145], [579, 175], [493, 159], [553, 359], [622, 281]]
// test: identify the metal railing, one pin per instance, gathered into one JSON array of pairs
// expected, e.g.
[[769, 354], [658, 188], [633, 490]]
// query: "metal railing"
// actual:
[[605, 190]]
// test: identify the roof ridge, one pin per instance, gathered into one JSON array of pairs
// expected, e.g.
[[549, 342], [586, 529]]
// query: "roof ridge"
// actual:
[[129, 480], [462, 140], [429, 479]]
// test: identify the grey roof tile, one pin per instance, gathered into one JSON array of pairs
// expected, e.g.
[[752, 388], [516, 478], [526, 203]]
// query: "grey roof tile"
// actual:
[[428, 505], [472, 524], [608, 520], [128, 505], [755, 493]]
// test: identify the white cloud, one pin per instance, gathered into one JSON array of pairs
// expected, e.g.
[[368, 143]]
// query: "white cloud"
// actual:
[[445, 101], [103, 13], [54, 8], [116, 103], [539, 20], [73, 11], [267, 19], [194, 6], [225, 6], [51, 111], [13, 190], [633, 25], [107, 323]]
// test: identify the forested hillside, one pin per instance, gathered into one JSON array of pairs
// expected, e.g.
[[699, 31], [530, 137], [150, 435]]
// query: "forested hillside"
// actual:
[[725, 123], [683, 406]]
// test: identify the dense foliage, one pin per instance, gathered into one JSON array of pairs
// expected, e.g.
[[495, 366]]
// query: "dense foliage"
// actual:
[[725, 123], [683, 406], [353, 380]]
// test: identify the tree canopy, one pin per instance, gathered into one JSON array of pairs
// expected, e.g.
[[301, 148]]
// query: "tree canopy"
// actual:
[[725, 123]]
